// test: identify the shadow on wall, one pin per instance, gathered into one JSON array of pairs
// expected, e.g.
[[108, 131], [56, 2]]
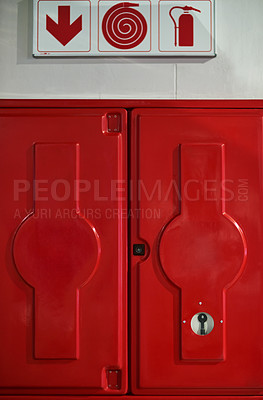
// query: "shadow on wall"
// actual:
[[25, 45]]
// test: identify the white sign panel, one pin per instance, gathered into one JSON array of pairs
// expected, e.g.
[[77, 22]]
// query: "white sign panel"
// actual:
[[114, 28]]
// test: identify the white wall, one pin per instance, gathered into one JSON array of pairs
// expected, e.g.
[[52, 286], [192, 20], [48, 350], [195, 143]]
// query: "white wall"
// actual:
[[236, 72]]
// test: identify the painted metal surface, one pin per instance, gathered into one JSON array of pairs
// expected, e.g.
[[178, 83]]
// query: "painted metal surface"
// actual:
[[114, 28], [196, 206], [216, 156], [63, 252], [126, 397], [130, 103]]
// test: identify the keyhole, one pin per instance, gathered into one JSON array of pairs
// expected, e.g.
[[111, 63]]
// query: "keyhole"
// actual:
[[202, 318], [202, 324]]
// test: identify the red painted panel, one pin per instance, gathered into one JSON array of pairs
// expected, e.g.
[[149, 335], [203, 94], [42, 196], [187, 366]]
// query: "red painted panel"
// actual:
[[197, 208], [63, 252], [127, 397], [129, 103]]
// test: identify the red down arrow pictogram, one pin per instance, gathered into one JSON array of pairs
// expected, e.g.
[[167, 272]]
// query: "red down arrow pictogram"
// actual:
[[63, 31]]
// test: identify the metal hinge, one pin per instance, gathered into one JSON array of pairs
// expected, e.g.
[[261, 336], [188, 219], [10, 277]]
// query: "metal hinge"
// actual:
[[114, 122], [114, 379]]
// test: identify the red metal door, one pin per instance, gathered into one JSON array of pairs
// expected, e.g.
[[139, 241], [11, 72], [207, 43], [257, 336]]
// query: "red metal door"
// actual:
[[63, 251], [197, 214]]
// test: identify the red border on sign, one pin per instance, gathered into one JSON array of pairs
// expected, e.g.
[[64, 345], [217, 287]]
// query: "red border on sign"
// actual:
[[124, 51], [187, 51], [46, 52]]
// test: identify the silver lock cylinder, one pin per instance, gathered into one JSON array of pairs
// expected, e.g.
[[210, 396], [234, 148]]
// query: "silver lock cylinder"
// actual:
[[202, 323]]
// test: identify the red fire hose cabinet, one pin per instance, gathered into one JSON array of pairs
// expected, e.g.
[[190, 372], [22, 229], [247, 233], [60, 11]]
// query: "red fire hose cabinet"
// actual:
[[131, 249]]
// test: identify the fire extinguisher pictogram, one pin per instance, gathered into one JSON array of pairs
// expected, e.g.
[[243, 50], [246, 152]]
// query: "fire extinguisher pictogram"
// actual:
[[123, 26], [185, 26]]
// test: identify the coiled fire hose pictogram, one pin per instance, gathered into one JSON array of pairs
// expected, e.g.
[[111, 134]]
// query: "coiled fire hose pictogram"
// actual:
[[124, 27]]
